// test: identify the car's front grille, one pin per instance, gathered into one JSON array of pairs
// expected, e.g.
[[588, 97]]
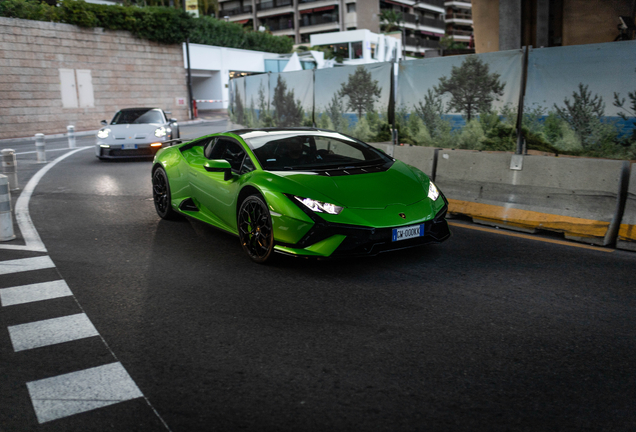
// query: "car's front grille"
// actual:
[[132, 152]]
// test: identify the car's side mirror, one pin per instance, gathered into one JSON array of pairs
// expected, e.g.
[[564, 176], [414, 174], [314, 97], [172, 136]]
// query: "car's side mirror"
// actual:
[[219, 165], [104, 122], [173, 120]]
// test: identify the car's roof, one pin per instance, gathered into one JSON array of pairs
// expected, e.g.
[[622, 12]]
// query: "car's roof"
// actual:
[[256, 132], [140, 108]]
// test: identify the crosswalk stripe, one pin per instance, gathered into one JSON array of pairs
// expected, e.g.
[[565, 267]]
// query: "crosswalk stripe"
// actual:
[[81, 391], [50, 332], [34, 292], [25, 264]]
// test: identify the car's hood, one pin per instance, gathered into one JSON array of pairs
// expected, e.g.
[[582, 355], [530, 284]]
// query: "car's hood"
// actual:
[[398, 185], [131, 131]]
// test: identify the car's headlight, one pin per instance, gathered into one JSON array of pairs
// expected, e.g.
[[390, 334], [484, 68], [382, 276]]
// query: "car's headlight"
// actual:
[[433, 192], [160, 132], [103, 133], [319, 206]]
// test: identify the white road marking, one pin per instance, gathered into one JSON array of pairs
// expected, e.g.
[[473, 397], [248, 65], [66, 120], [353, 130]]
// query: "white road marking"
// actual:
[[50, 332], [23, 218], [81, 391], [34, 292], [25, 264]]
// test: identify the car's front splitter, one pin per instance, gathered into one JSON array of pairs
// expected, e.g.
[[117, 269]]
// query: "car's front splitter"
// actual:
[[118, 153], [326, 239]]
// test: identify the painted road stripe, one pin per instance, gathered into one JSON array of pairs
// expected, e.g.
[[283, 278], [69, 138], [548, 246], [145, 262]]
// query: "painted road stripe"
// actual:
[[77, 392], [530, 237], [25, 264], [34, 292], [50, 332]]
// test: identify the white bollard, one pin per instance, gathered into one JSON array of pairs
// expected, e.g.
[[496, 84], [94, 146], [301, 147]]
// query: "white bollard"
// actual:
[[40, 147], [6, 222], [10, 168], [71, 136]]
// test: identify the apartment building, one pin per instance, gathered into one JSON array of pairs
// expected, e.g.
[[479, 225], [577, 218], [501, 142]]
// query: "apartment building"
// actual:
[[422, 24], [459, 21]]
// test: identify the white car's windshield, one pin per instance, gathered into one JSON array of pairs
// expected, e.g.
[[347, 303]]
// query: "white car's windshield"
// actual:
[[305, 151], [138, 116]]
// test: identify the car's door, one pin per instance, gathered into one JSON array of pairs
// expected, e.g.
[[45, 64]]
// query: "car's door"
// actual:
[[217, 195]]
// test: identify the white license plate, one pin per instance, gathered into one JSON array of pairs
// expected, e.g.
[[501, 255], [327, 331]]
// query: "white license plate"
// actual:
[[128, 146], [408, 232]]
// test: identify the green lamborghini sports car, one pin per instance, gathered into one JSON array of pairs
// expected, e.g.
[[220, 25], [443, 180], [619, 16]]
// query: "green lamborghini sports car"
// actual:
[[299, 191]]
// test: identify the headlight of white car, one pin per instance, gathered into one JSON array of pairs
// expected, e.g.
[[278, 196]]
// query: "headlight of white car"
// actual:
[[160, 132], [319, 206], [433, 192], [103, 133]]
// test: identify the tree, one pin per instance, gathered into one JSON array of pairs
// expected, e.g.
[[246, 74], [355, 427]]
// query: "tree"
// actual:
[[431, 112], [390, 20], [583, 114], [472, 87], [362, 91], [288, 111], [239, 113], [334, 112]]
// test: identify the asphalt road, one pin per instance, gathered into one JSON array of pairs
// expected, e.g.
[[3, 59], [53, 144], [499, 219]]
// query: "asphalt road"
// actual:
[[485, 332]]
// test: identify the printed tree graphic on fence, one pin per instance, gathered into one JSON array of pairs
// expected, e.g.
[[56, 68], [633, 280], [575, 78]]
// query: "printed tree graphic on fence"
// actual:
[[288, 111], [239, 110], [362, 91], [472, 87], [583, 114]]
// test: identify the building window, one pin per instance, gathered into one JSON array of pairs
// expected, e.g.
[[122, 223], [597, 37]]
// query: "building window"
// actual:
[[351, 7], [356, 50]]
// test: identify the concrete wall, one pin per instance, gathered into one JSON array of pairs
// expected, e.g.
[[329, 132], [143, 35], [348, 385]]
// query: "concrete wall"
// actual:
[[584, 22], [486, 25], [575, 196], [124, 72], [627, 232], [593, 21]]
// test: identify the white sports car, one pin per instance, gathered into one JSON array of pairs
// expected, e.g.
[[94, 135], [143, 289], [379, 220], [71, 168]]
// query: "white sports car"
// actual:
[[134, 133]]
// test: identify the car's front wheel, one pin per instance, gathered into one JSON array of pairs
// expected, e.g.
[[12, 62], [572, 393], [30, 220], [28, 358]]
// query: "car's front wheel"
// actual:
[[161, 195], [255, 229]]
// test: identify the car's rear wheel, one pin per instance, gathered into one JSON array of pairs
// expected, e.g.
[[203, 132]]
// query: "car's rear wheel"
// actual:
[[161, 195], [255, 229]]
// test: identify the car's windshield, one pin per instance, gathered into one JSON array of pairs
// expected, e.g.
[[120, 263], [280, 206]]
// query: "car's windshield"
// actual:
[[138, 116], [308, 150]]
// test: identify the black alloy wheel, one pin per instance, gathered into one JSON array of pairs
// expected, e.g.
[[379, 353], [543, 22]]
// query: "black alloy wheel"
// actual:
[[161, 195], [255, 229]]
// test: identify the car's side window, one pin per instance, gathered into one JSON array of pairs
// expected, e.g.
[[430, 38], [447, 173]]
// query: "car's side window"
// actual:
[[248, 165], [229, 150]]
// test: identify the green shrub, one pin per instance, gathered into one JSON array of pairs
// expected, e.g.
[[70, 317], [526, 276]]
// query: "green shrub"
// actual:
[[154, 23]]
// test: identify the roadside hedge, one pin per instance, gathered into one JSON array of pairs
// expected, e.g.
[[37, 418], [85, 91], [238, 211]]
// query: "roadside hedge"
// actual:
[[154, 23]]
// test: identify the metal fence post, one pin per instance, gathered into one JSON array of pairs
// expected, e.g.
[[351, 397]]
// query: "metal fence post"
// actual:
[[71, 136], [10, 168], [6, 221], [40, 147]]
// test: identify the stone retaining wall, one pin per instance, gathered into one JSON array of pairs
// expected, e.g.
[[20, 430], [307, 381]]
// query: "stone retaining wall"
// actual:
[[124, 72]]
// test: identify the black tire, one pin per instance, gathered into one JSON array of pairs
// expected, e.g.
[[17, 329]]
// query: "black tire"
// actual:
[[255, 229], [161, 195]]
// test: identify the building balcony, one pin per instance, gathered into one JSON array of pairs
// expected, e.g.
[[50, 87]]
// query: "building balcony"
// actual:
[[465, 4], [276, 26], [421, 43], [435, 5], [236, 11], [273, 4], [414, 22], [315, 20], [431, 22]]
